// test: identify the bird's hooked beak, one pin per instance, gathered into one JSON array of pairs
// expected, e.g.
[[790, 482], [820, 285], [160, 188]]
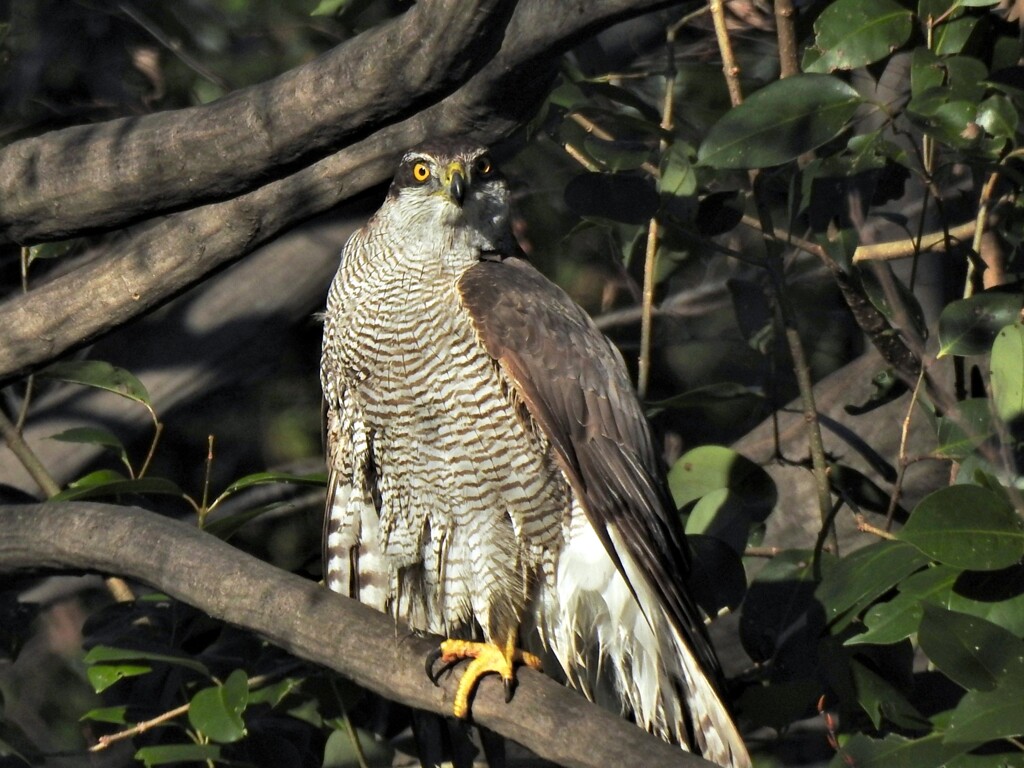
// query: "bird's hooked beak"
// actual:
[[455, 182]]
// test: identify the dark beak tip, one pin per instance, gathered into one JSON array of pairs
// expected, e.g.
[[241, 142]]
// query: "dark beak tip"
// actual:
[[458, 188]]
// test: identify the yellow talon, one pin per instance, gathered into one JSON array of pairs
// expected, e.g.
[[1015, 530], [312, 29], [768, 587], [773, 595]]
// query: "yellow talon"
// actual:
[[486, 658]]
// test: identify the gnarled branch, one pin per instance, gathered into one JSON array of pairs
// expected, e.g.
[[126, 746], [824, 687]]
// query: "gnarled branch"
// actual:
[[314, 624], [91, 177], [165, 258]]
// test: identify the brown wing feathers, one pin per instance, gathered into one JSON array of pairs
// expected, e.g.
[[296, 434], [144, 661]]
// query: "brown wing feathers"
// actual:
[[575, 387]]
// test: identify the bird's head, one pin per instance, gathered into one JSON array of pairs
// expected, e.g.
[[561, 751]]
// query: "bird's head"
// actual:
[[454, 189]]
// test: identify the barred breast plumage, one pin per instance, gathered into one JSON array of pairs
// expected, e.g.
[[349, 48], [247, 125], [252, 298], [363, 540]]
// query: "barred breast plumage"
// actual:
[[470, 500]]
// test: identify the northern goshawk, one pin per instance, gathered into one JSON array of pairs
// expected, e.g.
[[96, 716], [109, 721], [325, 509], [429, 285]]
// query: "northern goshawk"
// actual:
[[492, 477]]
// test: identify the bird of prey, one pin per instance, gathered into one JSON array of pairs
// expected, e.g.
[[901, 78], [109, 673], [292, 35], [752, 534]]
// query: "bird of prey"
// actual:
[[492, 477]]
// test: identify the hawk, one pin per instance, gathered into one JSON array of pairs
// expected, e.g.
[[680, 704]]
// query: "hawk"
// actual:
[[492, 477]]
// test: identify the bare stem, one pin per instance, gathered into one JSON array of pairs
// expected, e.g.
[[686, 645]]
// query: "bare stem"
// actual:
[[651, 250], [204, 509], [866, 527], [12, 436], [105, 741], [903, 460], [786, 34], [158, 429], [729, 66]]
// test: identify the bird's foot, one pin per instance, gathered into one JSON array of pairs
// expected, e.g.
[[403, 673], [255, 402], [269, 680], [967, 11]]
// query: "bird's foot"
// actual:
[[486, 658]]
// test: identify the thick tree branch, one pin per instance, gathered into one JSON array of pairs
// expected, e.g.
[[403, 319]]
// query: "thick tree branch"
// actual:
[[163, 259], [312, 623], [91, 177]]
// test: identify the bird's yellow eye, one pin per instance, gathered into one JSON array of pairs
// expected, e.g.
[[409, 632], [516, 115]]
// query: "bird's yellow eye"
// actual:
[[483, 165], [421, 172]]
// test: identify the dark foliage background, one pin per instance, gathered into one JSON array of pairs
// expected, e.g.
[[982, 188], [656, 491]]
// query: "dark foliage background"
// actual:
[[840, 209]]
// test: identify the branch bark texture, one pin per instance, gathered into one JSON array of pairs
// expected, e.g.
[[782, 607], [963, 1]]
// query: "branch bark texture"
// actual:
[[160, 260], [100, 176], [314, 624]]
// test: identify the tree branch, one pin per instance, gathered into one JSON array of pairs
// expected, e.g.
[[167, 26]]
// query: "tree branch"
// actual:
[[314, 624], [91, 177], [165, 258]]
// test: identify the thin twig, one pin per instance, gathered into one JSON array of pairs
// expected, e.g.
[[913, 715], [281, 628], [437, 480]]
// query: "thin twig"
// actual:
[[204, 509], [864, 526], [12, 436], [979, 223], [768, 552], [105, 741], [581, 158], [903, 461], [729, 66], [785, 30], [651, 249], [593, 128], [158, 429]]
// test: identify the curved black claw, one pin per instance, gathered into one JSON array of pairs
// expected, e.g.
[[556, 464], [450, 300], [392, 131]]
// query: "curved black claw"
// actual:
[[432, 658], [510, 686]]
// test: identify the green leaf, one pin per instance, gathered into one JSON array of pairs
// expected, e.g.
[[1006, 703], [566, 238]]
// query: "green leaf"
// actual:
[[341, 752], [895, 751], [712, 467], [997, 116], [54, 250], [952, 36], [266, 478], [861, 577], [780, 122], [217, 711], [899, 618], [617, 155], [853, 33], [988, 760], [567, 94], [966, 526], [731, 492], [90, 436], [677, 173], [176, 754], [329, 7], [114, 715], [939, 113], [969, 326], [997, 596], [970, 651], [106, 482], [94, 436], [961, 432], [274, 693], [983, 716], [1008, 374], [882, 702], [101, 375], [102, 676], [107, 653], [926, 71]]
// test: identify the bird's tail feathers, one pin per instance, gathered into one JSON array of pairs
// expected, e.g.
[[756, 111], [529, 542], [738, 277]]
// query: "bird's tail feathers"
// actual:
[[616, 644]]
